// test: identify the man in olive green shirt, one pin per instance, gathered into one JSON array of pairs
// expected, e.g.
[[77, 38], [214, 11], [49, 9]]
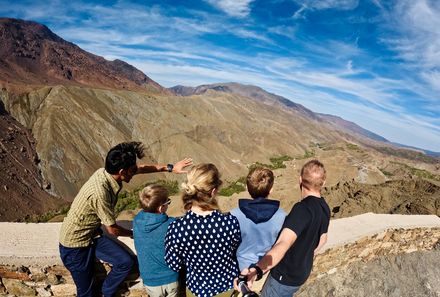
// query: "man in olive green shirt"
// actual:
[[81, 238]]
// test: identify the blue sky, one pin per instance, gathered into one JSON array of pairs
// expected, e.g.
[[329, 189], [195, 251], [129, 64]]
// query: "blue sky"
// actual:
[[373, 62]]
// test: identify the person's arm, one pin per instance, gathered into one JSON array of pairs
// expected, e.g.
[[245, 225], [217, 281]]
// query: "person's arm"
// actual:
[[173, 256], [286, 239], [117, 230], [322, 242], [177, 168]]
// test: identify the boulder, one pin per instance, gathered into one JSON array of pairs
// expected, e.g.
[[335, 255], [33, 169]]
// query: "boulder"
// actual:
[[18, 288], [65, 290]]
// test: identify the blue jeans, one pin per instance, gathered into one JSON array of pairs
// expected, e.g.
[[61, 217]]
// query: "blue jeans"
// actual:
[[272, 288], [80, 263]]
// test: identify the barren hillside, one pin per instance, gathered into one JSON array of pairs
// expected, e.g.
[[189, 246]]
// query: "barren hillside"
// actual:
[[23, 190], [78, 105]]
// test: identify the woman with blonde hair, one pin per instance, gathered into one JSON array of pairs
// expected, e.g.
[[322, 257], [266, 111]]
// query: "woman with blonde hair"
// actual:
[[205, 240]]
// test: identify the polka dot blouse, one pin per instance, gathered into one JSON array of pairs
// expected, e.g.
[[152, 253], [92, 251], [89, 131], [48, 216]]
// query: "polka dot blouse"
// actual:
[[206, 246]]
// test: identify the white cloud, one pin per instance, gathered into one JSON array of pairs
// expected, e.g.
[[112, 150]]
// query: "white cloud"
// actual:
[[329, 4], [350, 66], [300, 13], [417, 23], [433, 78], [235, 8]]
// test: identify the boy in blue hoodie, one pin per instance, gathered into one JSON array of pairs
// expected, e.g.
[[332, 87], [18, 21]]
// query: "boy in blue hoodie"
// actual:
[[260, 218], [149, 228]]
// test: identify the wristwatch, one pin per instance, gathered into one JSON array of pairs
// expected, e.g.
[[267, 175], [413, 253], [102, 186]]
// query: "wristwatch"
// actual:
[[258, 270], [170, 167]]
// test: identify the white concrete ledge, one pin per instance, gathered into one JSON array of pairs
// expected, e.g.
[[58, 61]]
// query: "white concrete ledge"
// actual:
[[347, 230], [37, 244]]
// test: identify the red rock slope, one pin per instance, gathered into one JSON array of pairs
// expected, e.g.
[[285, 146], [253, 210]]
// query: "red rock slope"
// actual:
[[33, 55]]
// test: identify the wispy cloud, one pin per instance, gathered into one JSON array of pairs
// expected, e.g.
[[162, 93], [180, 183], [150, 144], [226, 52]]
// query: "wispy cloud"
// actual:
[[417, 38], [328, 4], [385, 76], [235, 8], [300, 13]]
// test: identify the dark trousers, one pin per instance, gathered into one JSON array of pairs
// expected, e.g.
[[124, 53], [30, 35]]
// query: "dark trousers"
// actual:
[[80, 263]]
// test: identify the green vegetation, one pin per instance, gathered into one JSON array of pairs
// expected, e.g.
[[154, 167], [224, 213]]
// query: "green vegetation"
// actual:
[[323, 146], [237, 186], [46, 217], [276, 163], [421, 173], [386, 173], [354, 147], [307, 154], [130, 200]]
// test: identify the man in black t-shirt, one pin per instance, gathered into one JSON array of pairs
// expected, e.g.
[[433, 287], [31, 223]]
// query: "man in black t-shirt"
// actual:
[[304, 232]]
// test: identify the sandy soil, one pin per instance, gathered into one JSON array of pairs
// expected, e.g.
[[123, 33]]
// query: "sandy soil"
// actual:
[[37, 244]]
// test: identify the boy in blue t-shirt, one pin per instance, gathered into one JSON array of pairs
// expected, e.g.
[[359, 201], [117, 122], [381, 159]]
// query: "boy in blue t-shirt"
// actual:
[[260, 218], [149, 228]]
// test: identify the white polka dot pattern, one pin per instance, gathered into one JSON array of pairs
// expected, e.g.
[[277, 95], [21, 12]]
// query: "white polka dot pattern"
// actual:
[[207, 246]]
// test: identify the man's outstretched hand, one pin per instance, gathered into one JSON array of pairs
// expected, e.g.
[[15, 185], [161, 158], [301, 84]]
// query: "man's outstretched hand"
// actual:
[[181, 165]]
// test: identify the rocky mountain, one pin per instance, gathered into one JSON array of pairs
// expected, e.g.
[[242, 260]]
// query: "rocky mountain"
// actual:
[[249, 91], [31, 54], [78, 105], [23, 190], [268, 98], [351, 127]]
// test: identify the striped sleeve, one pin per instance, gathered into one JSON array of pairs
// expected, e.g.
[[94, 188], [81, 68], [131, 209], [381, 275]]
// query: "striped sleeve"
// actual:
[[101, 203]]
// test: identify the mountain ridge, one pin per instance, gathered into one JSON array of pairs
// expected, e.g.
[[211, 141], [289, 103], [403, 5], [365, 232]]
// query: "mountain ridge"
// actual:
[[32, 54], [232, 125]]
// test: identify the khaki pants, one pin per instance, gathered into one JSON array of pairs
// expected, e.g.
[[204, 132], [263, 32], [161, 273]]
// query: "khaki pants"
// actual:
[[224, 294], [168, 290]]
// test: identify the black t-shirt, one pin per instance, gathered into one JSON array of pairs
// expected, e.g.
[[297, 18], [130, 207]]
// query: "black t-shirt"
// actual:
[[309, 219]]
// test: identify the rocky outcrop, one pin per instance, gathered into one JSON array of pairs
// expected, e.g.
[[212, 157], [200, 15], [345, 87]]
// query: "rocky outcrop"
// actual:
[[411, 196], [56, 280], [397, 262]]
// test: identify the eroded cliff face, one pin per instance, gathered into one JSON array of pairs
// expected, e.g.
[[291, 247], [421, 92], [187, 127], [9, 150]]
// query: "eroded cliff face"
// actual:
[[23, 190], [75, 127]]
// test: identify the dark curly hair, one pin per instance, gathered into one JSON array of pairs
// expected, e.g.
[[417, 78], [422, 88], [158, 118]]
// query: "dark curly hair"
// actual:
[[123, 156]]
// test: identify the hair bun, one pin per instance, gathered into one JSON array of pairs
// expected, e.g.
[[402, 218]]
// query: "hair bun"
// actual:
[[189, 189]]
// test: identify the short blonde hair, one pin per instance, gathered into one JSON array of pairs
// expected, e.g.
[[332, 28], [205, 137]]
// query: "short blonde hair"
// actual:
[[313, 175], [197, 190], [152, 197], [259, 182]]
